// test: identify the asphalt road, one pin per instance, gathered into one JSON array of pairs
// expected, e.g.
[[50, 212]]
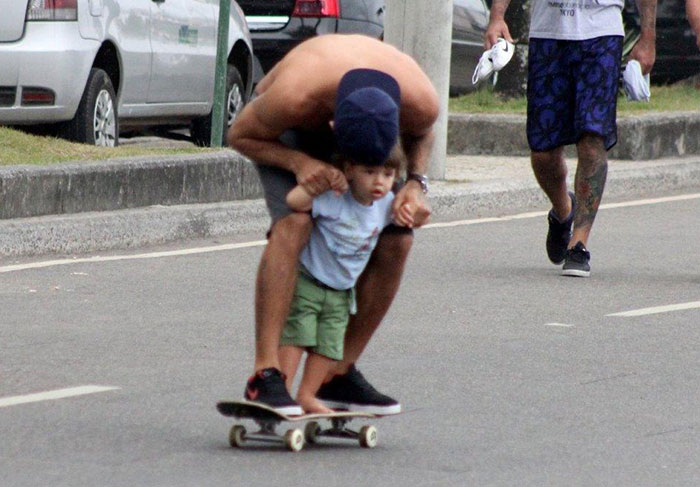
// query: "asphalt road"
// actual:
[[509, 373]]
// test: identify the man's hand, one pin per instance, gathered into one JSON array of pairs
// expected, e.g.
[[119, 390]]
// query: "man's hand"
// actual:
[[644, 52], [497, 28], [410, 209], [318, 177]]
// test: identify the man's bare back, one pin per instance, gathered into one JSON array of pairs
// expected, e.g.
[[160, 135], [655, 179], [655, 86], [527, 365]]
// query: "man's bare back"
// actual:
[[314, 68], [300, 91]]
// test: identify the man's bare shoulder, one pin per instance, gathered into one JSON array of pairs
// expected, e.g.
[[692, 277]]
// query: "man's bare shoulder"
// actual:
[[307, 78]]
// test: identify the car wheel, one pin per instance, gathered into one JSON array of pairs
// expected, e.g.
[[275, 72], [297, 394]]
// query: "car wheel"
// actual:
[[95, 121], [235, 100]]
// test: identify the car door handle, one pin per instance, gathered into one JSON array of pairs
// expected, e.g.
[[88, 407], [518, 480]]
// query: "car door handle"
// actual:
[[158, 1]]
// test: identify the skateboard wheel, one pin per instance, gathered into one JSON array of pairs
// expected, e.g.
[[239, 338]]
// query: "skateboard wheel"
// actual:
[[294, 440], [236, 437], [311, 431], [368, 437]]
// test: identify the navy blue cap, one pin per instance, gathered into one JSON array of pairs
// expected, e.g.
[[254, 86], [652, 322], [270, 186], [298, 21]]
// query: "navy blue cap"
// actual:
[[366, 121]]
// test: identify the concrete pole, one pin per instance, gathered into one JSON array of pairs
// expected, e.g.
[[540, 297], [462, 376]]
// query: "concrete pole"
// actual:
[[220, 102], [423, 29]]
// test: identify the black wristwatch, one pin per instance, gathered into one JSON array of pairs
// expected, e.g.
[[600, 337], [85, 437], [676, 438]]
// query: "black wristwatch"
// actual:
[[422, 180]]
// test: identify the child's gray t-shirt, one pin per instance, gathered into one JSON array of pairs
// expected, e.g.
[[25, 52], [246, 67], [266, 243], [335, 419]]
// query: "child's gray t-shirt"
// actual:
[[576, 20], [343, 237]]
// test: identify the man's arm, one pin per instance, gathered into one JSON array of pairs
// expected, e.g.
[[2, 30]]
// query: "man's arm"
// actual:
[[497, 25], [410, 207], [692, 10], [645, 49], [256, 136], [256, 131], [417, 138]]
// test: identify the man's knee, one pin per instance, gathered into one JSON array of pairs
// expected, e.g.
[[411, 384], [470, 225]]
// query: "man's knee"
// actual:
[[591, 147], [549, 164], [551, 158], [291, 232]]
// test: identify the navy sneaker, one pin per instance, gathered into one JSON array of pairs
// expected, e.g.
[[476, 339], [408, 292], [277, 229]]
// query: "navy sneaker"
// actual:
[[267, 387], [559, 233], [351, 391], [577, 262]]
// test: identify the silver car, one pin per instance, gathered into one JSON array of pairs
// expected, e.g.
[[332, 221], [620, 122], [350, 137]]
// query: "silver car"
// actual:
[[93, 67]]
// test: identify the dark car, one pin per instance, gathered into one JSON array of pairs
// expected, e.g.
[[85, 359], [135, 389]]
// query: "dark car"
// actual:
[[677, 55], [276, 26]]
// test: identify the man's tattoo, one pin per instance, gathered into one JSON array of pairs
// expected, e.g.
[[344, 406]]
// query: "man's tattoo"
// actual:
[[589, 191]]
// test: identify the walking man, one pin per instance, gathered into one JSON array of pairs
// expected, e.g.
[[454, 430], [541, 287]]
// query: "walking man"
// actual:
[[574, 57]]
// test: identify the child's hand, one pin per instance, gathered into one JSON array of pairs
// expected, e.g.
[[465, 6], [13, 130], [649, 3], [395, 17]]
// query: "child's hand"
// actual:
[[339, 184], [410, 208], [404, 215], [318, 177]]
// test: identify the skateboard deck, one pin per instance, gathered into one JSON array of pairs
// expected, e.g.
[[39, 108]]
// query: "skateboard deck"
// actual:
[[267, 419]]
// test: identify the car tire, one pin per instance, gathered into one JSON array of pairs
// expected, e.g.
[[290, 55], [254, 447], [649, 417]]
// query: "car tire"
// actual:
[[96, 121], [235, 100]]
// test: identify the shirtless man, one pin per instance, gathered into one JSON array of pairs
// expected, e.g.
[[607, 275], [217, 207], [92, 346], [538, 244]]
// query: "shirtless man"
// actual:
[[288, 131]]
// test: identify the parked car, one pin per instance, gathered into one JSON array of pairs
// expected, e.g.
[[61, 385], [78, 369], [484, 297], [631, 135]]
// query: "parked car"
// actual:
[[677, 55], [94, 67], [277, 26]]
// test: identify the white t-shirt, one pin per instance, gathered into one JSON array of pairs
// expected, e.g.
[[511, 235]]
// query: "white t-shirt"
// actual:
[[576, 20], [343, 237]]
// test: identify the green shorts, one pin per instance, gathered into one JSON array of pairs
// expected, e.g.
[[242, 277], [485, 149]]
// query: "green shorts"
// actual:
[[318, 318]]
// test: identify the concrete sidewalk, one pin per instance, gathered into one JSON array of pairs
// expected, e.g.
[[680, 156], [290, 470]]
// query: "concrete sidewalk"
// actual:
[[475, 186]]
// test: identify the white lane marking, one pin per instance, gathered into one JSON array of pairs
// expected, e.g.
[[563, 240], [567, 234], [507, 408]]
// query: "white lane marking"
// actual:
[[259, 243], [658, 309], [52, 395], [535, 214], [111, 258], [563, 325], [651, 201], [459, 223]]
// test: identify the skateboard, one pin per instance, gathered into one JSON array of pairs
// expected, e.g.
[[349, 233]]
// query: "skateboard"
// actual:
[[267, 419]]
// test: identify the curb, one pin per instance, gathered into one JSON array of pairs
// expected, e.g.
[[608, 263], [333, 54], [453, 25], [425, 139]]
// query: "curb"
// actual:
[[119, 184], [27, 191], [651, 136]]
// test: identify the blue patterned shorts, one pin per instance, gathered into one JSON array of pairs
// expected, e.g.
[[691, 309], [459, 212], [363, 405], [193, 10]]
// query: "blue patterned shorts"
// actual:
[[572, 89]]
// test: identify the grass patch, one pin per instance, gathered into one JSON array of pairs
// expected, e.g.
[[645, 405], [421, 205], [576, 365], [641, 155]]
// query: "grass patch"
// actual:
[[17, 147], [676, 98]]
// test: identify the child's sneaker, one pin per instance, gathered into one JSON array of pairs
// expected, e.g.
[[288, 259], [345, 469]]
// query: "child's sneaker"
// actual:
[[267, 387], [351, 391], [559, 233], [577, 262]]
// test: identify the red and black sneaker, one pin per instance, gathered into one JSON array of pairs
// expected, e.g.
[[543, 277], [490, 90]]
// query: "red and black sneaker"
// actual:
[[351, 391], [267, 387]]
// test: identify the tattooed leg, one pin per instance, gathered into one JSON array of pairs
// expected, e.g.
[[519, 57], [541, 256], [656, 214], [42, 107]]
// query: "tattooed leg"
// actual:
[[591, 173]]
